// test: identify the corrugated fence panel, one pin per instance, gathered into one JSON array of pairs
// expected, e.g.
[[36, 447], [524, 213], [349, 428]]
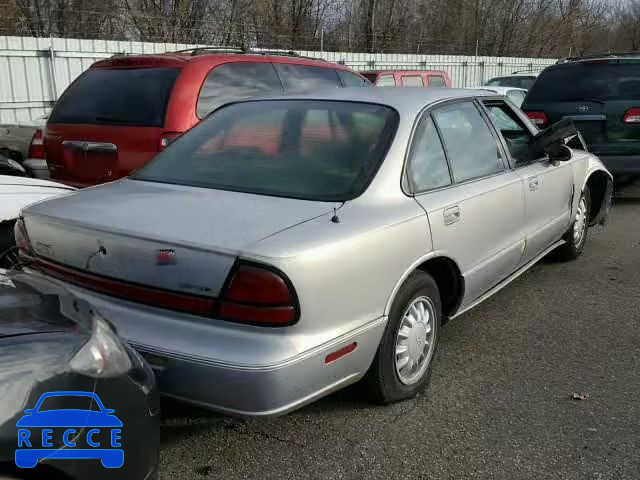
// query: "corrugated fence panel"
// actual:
[[34, 72]]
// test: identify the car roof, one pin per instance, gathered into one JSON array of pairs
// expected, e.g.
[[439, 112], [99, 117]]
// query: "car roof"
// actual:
[[182, 58], [602, 58], [406, 100], [498, 89], [515, 75]]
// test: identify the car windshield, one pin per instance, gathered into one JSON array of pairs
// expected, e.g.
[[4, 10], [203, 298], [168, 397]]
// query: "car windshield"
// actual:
[[117, 96], [307, 149], [587, 82]]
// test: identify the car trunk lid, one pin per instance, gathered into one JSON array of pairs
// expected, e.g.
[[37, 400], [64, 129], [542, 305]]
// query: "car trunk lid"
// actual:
[[174, 238]]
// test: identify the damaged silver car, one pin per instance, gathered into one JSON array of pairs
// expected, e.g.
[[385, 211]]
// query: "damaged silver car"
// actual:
[[286, 247]]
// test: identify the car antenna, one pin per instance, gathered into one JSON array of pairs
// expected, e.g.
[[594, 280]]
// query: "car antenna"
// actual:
[[335, 218]]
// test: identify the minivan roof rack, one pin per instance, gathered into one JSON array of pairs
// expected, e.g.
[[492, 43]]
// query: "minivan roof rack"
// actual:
[[594, 56], [241, 50], [211, 49]]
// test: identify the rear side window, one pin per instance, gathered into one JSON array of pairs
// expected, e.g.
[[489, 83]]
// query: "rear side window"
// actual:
[[386, 81], [117, 96], [581, 82], [313, 149], [412, 81], [352, 80], [437, 81], [462, 126], [428, 163], [303, 78], [236, 81]]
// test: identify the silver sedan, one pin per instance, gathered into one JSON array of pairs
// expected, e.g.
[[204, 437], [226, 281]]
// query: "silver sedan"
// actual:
[[287, 247]]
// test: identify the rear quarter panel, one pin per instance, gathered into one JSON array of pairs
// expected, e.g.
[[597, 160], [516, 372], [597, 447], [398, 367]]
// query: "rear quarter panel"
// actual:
[[345, 273]]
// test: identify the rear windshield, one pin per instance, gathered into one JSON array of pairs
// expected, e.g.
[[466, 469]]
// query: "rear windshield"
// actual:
[[126, 96], [372, 77], [586, 81], [308, 149]]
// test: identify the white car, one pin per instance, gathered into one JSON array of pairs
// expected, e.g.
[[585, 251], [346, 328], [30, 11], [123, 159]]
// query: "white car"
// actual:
[[15, 194], [23, 142], [524, 79], [515, 95]]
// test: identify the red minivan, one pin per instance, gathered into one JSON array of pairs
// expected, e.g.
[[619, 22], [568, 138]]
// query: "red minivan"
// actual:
[[123, 110], [409, 78]]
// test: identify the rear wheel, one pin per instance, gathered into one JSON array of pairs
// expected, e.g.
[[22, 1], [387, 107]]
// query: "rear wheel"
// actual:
[[576, 237], [402, 365]]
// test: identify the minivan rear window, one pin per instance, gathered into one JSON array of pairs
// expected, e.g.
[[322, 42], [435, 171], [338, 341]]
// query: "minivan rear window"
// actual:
[[585, 81], [307, 149], [117, 96]]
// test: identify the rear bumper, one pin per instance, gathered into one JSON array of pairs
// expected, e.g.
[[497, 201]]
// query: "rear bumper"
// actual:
[[238, 369], [621, 164], [37, 167]]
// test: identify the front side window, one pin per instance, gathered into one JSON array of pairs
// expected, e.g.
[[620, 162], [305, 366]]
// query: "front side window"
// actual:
[[236, 81], [307, 149], [304, 78], [428, 164], [386, 81], [437, 81], [412, 81], [516, 135], [471, 148]]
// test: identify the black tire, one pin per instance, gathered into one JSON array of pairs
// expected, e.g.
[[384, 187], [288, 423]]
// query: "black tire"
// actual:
[[382, 378], [572, 249]]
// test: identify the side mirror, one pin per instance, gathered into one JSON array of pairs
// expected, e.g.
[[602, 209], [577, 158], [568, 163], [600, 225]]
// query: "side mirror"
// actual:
[[29, 411], [551, 141]]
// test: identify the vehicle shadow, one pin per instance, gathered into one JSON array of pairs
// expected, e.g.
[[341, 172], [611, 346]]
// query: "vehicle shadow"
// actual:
[[180, 420]]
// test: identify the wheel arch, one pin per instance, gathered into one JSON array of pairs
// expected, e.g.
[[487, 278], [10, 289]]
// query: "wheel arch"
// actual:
[[600, 186], [448, 278]]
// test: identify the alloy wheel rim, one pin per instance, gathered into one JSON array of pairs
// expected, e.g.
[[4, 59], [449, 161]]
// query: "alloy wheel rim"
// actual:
[[580, 224], [415, 340]]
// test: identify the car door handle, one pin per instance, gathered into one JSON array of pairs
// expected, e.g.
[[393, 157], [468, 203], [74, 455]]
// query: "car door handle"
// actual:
[[451, 215], [533, 183]]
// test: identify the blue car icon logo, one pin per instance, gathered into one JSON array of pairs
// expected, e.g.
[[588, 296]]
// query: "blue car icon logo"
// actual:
[[95, 429]]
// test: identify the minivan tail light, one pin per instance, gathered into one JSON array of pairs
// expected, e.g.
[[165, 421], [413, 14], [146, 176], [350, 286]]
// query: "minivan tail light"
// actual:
[[36, 148], [632, 115], [259, 295], [166, 139], [538, 118]]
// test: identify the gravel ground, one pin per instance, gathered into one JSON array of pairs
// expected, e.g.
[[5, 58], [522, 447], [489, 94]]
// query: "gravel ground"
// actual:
[[498, 405]]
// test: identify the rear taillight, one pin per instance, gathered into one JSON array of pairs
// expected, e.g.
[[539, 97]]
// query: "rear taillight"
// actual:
[[166, 140], [632, 116], [36, 149], [259, 295], [538, 118], [22, 239]]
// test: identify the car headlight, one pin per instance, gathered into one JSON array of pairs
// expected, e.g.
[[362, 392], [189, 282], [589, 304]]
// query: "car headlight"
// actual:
[[103, 355]]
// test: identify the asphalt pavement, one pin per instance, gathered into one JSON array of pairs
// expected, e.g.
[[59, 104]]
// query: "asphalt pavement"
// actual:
[[499, 405]]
